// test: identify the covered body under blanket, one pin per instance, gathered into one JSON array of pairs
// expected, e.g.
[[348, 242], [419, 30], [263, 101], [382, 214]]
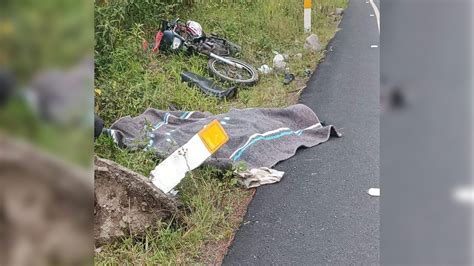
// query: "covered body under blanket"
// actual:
[[259, 138]]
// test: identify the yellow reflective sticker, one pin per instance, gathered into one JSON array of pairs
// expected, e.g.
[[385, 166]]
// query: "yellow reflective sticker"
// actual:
[[213, 136], [307, 3]]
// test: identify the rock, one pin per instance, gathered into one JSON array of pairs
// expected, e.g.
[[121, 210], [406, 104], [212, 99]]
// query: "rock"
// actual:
[[265, 69], [339, 11], [128, 196], [45, 202], [59, 96], [312, 43], [279, 63], [286, 57]]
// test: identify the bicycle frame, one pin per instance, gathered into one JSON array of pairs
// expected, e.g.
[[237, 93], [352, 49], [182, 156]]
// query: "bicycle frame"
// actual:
[[222, 59], [177, 27]]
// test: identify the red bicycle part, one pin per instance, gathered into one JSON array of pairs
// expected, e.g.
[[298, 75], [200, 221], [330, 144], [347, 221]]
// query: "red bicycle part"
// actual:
[[158, 37]]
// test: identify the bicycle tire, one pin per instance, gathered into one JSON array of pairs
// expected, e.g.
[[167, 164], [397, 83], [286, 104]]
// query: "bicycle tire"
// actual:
[[244, 82]]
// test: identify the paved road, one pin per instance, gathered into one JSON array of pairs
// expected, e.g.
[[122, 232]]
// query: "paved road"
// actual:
[[320, 211]]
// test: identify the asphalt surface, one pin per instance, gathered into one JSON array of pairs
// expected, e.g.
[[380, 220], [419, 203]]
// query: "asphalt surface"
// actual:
[[320, 212], [427, 143]]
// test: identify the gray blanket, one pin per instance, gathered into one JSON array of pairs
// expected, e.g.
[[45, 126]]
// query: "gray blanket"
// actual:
[[258, 138]]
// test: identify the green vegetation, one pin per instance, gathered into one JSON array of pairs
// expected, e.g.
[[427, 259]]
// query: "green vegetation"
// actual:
[[129, 81], [71, 143], [39, 36]]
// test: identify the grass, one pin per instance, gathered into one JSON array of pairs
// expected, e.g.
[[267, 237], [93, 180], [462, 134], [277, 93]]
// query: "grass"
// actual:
[[39, 36], [129, 81], [69, 142], [209, 205]]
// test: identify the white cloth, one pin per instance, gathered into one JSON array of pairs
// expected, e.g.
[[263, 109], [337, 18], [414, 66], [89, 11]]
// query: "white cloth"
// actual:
[[259, 176]]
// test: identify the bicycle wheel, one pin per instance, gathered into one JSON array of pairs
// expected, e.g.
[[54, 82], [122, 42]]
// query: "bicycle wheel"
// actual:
[[247, 76]]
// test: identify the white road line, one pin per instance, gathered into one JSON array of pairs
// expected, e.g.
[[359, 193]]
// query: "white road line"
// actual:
[[464, 195], [374, 192], [377, 13]]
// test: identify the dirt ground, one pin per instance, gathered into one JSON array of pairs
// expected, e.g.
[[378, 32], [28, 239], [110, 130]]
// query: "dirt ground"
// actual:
[[126, 203], [45, 207]]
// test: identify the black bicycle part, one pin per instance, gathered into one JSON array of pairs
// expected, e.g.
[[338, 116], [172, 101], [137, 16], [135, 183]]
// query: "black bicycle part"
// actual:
[[207, 86]]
